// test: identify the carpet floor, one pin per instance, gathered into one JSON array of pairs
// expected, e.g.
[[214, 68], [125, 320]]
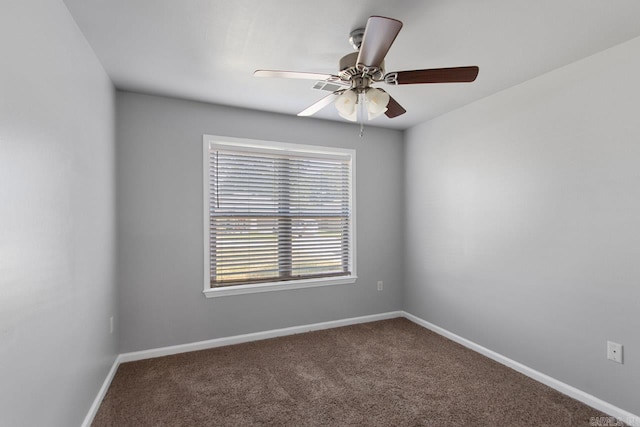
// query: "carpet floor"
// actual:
[[386, 373]]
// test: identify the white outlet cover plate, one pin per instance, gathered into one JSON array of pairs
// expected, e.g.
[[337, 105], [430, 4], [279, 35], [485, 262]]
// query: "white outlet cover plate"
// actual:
[[614, 351]]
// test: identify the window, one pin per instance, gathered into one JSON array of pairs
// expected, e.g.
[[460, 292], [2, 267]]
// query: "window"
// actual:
[[277, 216]]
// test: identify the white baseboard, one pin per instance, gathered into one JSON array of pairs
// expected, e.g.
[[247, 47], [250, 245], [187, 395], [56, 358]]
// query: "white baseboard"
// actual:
[[238, 339], [629, 418], [599, 404], [88, 419]]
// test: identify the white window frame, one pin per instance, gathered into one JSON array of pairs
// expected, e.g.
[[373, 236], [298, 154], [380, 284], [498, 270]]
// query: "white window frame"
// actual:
[[274, 147]]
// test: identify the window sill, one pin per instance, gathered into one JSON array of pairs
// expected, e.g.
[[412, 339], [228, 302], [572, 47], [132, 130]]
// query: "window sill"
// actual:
[[276, 286]]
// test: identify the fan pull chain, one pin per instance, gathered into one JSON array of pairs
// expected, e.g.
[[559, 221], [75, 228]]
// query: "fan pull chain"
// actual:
[[361, 129]]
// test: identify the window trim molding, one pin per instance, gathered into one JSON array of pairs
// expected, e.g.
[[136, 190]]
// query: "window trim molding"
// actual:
[[271, 147]]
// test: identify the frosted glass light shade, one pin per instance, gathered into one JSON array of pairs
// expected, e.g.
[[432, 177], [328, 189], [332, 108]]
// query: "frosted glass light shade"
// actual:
[[346, 105], [377, 101]]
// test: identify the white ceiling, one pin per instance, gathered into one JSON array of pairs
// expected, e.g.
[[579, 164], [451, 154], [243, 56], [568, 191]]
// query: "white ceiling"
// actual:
[[207, 50]]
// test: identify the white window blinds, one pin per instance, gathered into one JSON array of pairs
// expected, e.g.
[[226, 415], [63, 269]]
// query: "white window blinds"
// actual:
[[277, 215]]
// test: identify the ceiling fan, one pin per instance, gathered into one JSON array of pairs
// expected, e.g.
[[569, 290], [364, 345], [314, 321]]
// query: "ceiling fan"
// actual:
[[352, 91]]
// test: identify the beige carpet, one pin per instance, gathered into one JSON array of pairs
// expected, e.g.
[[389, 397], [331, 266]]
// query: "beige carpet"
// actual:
[[387, 373]]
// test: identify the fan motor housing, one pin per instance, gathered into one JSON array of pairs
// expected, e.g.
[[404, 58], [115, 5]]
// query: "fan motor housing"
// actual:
[[348, 68]]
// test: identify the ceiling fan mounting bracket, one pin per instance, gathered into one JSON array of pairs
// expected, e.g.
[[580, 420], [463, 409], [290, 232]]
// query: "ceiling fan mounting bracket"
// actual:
[[391, 79], [355, 38]]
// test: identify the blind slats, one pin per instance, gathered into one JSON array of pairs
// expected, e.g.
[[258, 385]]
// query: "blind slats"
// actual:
[[298, 254], [277, 216]]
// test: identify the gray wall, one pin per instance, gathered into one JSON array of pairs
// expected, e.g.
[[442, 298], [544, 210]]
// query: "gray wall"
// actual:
[[57, 217], [160, 224], [523, 223]]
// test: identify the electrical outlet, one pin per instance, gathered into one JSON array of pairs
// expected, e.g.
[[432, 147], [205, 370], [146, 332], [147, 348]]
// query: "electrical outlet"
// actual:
[[614, 351], [380, 285], [111, 325]]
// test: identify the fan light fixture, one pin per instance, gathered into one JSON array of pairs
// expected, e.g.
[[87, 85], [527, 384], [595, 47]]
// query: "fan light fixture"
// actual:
[[377, 101], [373, 100], [346, 105]]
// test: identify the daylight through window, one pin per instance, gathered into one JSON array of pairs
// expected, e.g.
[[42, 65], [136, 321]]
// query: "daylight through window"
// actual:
[[278, 215]]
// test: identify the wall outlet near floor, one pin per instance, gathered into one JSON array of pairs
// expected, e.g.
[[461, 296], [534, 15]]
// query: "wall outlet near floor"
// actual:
[[614, 351], [111, 325], [380, 285]]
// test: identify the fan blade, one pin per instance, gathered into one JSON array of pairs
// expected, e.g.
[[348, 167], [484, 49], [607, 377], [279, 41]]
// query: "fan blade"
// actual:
[[311, 110], [434, 75], [295, 75], [393, 108], [379, 35]]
